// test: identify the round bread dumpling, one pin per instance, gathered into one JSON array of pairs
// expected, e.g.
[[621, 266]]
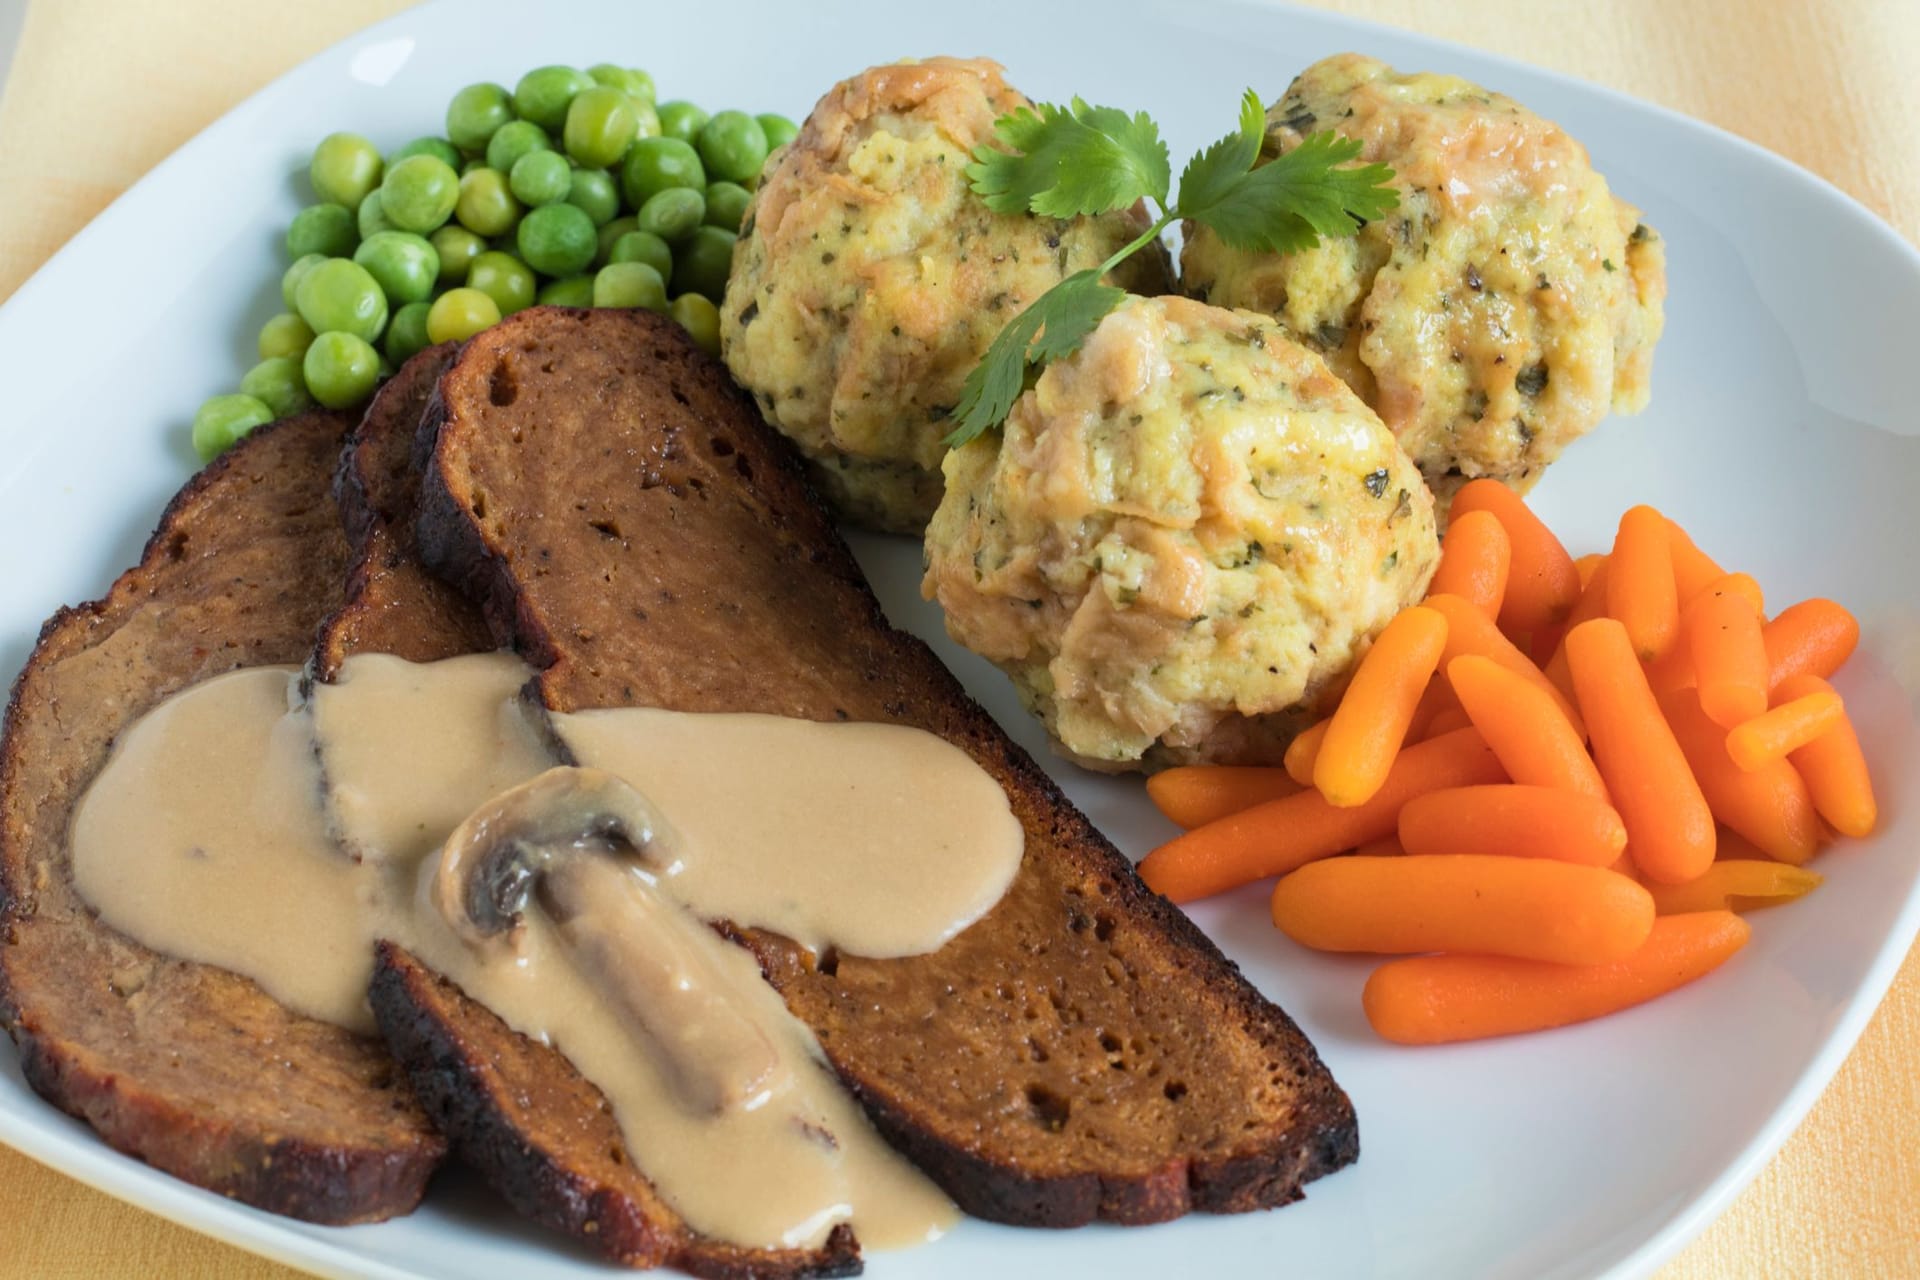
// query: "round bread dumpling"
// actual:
[[1498, 313], [1182, 539], [869, 280]]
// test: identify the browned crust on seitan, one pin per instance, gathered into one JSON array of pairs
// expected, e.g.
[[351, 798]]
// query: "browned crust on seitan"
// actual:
[[393, 605], [1084, 1051], [193, 1069], [546, 1138]]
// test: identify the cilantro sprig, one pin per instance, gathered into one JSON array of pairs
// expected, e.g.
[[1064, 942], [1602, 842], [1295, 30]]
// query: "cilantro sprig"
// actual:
[[1064, 162]]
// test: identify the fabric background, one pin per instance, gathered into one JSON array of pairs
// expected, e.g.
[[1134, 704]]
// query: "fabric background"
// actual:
[[102, 90]]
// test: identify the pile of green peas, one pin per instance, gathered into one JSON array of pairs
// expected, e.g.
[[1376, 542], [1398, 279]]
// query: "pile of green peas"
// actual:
[[573, 188]]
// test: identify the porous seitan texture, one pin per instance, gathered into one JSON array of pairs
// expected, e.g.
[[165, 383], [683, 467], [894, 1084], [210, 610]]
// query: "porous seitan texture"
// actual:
[[1081, 1052], [193, 1069]]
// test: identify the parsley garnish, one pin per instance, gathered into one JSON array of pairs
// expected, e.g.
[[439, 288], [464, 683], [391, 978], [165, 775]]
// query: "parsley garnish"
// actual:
[[1064, 162]]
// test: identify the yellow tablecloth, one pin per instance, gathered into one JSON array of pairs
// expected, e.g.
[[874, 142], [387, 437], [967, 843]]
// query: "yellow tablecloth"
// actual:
[[103, 89]]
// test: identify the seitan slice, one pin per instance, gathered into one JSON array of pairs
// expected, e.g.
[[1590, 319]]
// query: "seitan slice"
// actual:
[[1083, 1051], [193, 1069]]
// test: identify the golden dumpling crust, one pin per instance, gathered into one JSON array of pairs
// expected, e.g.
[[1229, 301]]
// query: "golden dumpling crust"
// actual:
[[1497, 314], [868, 279], [1184, 536]]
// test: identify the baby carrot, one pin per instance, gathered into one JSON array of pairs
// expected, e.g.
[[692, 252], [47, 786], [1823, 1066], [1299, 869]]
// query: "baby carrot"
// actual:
[[1194, 795], [1449, 720], [1769, 806], [1586, 566], [1530, 908], [1693, 569], [1732, 886], [1526, 728], [1591, 604], [1513, 821], [1790, 725], [1385, 847], [1834, 768], [1729, 659], [1369, 726], [1641, 591], [1303, 751], [1470, 631], [1812, 638], [1541, 581], [1475, 558], [1273, 838], [1440, 999], [1668, 822], [1437, 700]]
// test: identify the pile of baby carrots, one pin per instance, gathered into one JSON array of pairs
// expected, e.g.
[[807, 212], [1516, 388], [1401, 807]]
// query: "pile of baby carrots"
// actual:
[[1554, 781]]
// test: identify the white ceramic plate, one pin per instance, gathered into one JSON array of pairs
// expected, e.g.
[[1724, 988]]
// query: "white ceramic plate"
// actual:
[[1780, 433]]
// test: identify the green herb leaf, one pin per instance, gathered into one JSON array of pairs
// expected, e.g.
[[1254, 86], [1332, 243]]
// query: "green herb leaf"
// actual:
[[1051, 329], [1210, 175], [1286, 205], [1063, 162]]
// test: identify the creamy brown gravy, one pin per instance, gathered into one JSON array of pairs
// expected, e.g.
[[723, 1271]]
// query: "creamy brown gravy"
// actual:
[[238, 825]]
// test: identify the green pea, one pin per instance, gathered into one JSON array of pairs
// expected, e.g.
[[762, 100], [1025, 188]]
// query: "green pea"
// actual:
[[557, 239], [223, 420], [680, 120], [341, 296], [701, 264], [458, 314], [544, 94], [629, 284], [609, 236], [457, 247], [373, 218], [504, 278], [278, 383], [643, 246], [700, 318], [779, 130], [475, 113], [290, 279], [601, 124], [439, 148], [733, 146], [341, 369], [325, 229], [344, 168], [574, 291], [404, 265], [637, 85], [419, 193], [672, 214], [659, 164], [513, 141], [594, 192], [407, 335], [486, 205], [541, 177], [472, 164], [727, 205], [284, 335]]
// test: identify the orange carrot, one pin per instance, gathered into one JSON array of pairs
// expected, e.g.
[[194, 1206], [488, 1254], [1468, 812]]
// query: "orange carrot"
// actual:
[[1541, 581], [1513, 821], [1790, 725], [1440, 999], [1526, 728], [1437, 699], [1673, 669], [1303, 751], [1385, 847], [1591, 604], [1586, 566], [1770, 806], [1194, 795], [1475, 557], [1693, 569], [1448, 721], [1812, 638], [1641, 591], [1732, 846], [1369, 726], [1735, 886], [1669, 825], [1273, 838], [1470, 631], [1729, 659], [1834, 767], [1531, 908]]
